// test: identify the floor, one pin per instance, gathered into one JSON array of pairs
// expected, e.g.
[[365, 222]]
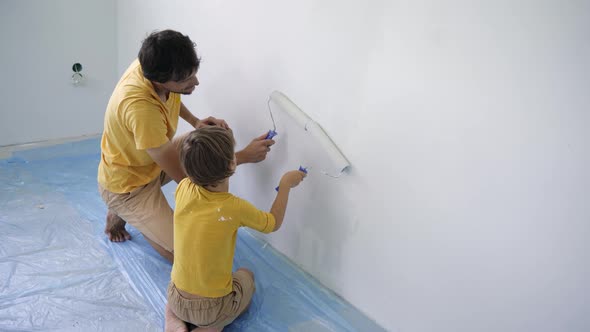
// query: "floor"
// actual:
[[59, 272]]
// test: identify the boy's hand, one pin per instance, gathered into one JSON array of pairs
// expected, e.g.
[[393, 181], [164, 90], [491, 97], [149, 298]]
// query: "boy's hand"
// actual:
[[292, 179]]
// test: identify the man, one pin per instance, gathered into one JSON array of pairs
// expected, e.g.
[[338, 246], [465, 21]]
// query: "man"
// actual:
[[138, 152]]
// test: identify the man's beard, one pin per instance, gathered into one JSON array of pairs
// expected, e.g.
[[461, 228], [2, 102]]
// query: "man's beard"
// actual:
[[185, 92]]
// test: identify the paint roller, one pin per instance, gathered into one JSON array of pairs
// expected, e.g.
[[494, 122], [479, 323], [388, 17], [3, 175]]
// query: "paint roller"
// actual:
[[318, 133]]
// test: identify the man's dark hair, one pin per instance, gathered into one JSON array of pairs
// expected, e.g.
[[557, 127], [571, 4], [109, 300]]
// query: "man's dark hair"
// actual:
[[168, 56], [206, 155]]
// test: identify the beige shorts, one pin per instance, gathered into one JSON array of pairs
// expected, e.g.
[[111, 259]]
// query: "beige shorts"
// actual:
[[146, 209], [214, 312]]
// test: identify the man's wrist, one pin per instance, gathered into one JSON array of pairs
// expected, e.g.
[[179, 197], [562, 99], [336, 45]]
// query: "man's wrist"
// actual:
[[240, 158], [195, 121]]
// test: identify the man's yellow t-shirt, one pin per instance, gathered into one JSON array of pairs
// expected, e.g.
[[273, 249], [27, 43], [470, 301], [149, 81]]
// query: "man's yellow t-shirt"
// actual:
[[205, 230], [135, 120]]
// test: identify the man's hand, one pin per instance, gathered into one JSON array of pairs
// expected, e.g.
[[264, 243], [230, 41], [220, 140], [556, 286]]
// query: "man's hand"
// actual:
[[211, 121], [255, 151]]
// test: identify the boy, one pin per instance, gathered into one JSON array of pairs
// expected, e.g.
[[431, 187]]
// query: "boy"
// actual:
[[202, 289]]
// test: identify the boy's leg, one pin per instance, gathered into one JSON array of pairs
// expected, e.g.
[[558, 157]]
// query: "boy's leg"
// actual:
[[238, 301], [172, 323], [194, 311], [244, 279], [248, 272], [207, 329]]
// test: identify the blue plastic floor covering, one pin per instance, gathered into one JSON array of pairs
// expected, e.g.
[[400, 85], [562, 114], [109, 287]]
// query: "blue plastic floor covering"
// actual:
[[59, 272]]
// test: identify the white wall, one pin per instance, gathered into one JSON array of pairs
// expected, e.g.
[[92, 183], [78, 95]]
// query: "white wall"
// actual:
[[466, 124], [41, 40]]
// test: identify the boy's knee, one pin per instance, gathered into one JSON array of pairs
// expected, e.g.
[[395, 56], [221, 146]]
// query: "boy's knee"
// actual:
[[250, 273]]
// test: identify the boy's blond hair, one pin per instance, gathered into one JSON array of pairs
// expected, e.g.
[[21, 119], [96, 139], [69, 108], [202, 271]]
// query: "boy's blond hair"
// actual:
[[206, 155]]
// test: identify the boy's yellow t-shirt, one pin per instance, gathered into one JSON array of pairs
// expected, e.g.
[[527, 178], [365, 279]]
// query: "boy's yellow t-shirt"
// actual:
[[205, 230], [135, 120]]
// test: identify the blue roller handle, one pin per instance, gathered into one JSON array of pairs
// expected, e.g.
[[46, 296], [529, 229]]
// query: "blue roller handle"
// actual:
[[302, 169], [271, 134]]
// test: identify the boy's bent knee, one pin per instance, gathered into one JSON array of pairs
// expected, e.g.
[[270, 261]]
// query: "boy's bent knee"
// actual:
[[250, 273]]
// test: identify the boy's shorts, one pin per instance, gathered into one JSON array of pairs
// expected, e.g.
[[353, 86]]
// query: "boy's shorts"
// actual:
[[214, 312]]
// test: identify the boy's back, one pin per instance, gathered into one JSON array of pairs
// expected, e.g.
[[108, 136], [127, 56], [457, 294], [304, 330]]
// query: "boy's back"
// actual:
[[205, 230]]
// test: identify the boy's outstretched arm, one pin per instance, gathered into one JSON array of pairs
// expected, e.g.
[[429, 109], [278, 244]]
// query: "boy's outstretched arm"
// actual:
[[279, 206]]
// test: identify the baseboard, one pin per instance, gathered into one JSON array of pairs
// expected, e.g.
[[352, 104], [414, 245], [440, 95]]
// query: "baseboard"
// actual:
[[6, 150]]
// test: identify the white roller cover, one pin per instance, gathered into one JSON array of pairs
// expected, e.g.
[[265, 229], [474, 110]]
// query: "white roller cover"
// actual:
[[314, 128]]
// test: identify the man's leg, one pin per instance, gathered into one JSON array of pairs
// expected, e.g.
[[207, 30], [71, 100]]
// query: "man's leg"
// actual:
[[146, 209], [153, 217], [156, 234], [115, 228], [165, 179], [163, 252]]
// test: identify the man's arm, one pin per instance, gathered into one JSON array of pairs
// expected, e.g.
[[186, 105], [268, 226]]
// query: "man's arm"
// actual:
[[188, 116], [196, 123], [167, 157], [255, 151]]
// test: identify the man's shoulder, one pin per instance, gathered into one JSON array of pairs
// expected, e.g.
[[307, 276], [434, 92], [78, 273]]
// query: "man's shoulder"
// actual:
[[134, 84]]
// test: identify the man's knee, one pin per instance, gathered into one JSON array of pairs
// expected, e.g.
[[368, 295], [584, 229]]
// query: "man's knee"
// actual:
[[169, 256]]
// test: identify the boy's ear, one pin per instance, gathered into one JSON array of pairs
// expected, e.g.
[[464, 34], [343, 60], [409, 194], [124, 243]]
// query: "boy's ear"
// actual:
[[233, 164]]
